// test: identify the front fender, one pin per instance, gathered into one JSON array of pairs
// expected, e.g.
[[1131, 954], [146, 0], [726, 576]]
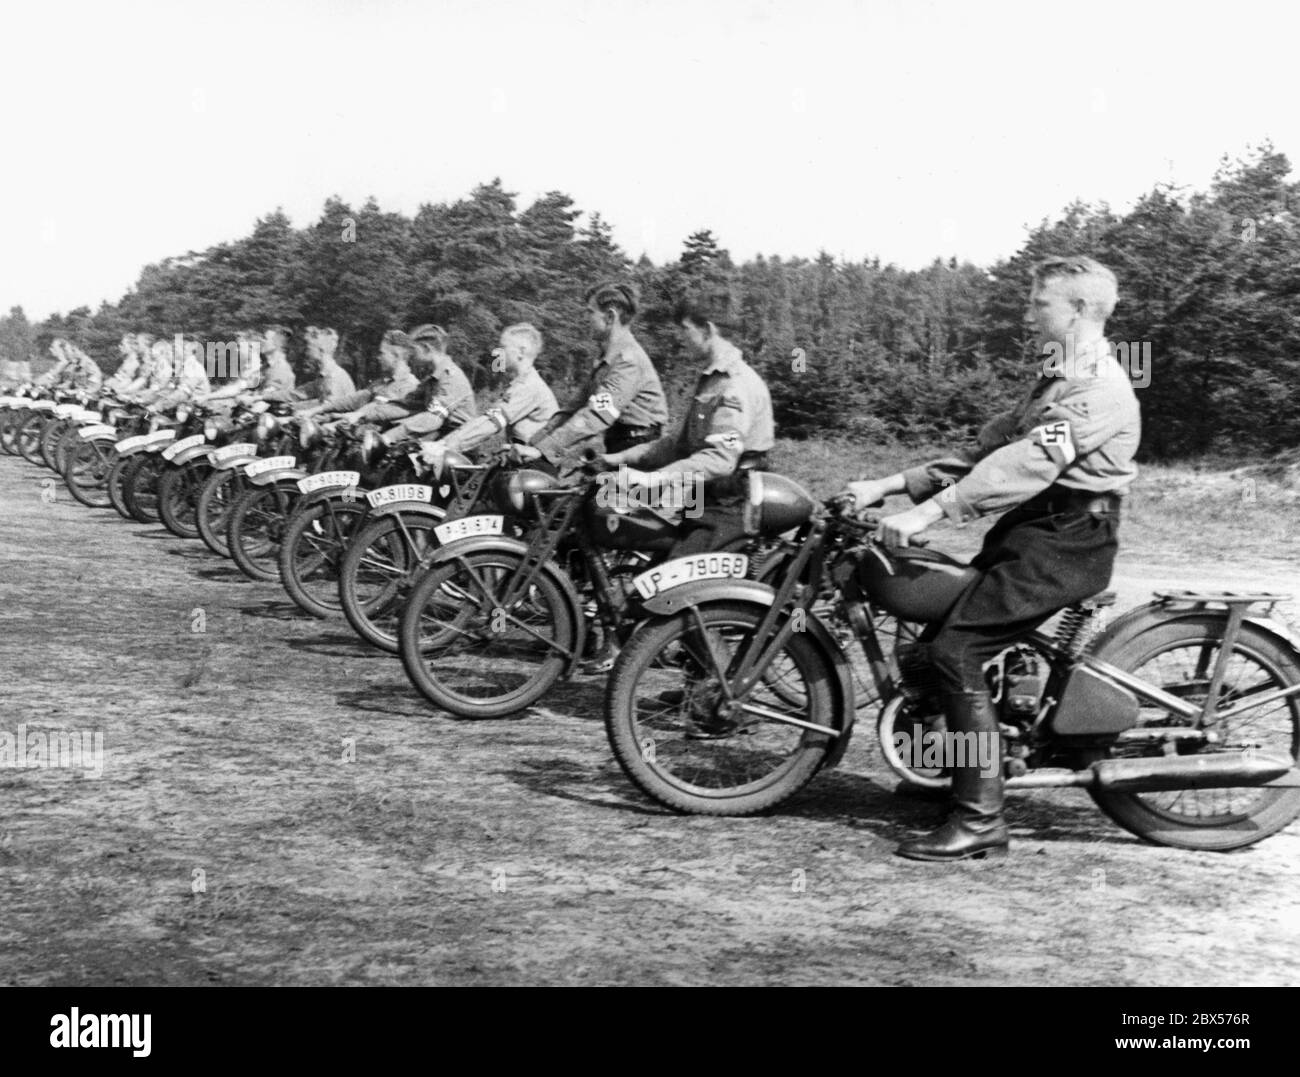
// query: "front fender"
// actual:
[[675, 601], [506, 544], [410, 508], [291, 474], [199, 452]]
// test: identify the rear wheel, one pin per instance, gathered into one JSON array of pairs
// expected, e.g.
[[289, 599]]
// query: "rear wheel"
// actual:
[[1179, 657], [89, 465], [679, 740], [315, 542], [377, 573], [256, 528], [474, 657]]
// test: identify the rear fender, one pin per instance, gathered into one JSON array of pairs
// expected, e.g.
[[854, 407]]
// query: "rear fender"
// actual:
[[1142, 619], [505, 544], [679, 599]]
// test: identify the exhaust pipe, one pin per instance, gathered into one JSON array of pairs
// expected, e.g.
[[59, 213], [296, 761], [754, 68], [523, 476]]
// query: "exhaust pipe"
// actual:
[[1160, 773]]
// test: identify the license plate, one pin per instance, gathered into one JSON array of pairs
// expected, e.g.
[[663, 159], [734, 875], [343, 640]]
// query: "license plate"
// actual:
[[89, 433], [229, 452], [41, 405], [327, 479], [705, 566], [468, 526], [66, 411], [402, 491], [159, 438], [271, 463], [174, 450], [127, 444], [87, 415]]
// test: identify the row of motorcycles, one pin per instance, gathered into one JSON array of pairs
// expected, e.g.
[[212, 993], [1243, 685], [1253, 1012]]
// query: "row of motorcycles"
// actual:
[[741, 672]]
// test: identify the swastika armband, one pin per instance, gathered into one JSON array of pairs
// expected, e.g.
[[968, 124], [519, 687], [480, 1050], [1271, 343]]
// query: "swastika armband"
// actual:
[[497, 416], [602, 404], [730, 441], [437, 407], [1056, 439]]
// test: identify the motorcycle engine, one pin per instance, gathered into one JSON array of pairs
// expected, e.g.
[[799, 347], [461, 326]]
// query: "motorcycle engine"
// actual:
[[1018, 679]]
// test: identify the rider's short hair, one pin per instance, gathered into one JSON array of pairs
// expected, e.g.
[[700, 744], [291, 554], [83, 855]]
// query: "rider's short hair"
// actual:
[[434, 336], [1084, 279], [612, 295], [528, 332]]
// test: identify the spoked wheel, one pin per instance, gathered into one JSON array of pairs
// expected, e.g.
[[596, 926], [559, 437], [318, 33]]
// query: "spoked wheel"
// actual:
[[67, 445], [378, 571], [89, 465], [51, 434], [212, 511], [114, 485], [471, 655], [140, 486], [256, 528], [178, 496], [1180, 657], [8, 429], [682, 743], [28, 438], [314, 543]]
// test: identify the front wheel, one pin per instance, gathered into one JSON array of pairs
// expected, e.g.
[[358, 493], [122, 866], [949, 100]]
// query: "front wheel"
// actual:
[[1179, 657], [315, 541], [680, 740], [256, 528], [89, 466], [474, 656], [378, 570], [212, 510], [140, 487], [178, 495]]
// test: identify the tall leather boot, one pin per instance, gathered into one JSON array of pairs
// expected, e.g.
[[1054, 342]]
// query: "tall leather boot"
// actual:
[[975, 827]]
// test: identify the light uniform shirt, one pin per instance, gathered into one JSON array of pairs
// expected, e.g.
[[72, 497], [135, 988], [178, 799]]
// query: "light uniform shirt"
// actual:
[[525, 408], [382, 399], [445, 398], [731, 414], [1080, 431], [624, 387], [125, 374], [158, 373], [279, 380], [333, 384], [193, 377], [82, 372]]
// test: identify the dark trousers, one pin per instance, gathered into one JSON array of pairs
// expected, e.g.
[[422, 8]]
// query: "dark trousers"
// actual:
[[1035, 562], [722, 517]]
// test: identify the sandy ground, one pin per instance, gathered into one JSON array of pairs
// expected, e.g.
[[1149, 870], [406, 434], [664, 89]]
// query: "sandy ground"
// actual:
[[230, 839]]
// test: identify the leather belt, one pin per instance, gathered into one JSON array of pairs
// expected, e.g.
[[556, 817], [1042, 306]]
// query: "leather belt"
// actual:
[[753, 459], [1067, 499]]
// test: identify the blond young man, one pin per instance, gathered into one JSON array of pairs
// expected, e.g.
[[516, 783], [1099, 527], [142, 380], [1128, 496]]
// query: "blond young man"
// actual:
[[1061, 462]]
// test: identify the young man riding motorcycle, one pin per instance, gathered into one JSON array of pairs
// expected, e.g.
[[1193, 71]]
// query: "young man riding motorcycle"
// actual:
[[622, 403], [1061, 462]]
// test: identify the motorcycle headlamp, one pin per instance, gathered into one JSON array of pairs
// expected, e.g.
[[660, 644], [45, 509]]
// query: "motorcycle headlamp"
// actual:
[[183, 412], [310, 433], [267, 424]]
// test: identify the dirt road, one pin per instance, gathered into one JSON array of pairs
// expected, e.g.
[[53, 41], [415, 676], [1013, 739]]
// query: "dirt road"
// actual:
[[277, 806]]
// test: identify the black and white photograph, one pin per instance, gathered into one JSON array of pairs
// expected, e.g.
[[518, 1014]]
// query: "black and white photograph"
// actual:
[[739, 493]]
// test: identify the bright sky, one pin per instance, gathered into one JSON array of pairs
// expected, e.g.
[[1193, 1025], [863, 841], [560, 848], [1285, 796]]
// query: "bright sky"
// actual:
[[908, 130]]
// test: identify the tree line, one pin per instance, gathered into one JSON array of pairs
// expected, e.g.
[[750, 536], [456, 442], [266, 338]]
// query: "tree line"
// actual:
[[1208, 283]]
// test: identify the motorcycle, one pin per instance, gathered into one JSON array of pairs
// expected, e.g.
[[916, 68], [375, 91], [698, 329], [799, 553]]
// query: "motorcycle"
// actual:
[[494, 620], [1181, 719]]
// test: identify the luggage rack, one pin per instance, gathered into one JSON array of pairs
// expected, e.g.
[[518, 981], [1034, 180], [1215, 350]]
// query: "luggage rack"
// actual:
[[1200, 600]]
